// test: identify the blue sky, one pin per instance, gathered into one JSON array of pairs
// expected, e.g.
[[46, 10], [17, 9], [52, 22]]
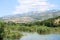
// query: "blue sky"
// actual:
[[11, 7]]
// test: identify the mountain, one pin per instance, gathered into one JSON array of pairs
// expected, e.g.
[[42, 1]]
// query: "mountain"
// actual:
[[31, 16], [51, 22]]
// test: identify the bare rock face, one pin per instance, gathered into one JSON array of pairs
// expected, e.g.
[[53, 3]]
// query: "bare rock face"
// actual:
[[57, 21]]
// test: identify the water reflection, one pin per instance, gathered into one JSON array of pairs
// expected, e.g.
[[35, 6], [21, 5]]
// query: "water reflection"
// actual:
[[35, 36]]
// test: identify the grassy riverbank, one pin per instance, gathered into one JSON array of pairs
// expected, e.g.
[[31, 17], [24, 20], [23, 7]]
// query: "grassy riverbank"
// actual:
[[16, 32]]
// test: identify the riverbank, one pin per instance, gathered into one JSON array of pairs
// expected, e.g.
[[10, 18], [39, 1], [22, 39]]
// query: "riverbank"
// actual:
[[12, 32]]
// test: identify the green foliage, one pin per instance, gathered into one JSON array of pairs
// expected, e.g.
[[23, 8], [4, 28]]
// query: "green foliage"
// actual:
[[1, 29]]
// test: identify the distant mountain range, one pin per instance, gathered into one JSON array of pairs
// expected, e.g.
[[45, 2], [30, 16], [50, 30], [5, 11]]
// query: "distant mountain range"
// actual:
[[31, 16]]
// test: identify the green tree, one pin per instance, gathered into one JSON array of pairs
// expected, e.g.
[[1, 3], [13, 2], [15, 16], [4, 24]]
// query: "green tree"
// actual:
[[1, 30]]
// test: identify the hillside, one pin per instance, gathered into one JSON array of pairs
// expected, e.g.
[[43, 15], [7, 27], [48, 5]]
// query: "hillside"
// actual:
[[31, 16], [52, 22], [19, 19]]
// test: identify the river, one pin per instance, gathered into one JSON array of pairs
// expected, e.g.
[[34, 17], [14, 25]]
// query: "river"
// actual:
[[36, 36]]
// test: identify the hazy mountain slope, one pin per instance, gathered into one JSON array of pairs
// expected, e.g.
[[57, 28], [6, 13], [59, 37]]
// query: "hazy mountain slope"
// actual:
[[31, 16]]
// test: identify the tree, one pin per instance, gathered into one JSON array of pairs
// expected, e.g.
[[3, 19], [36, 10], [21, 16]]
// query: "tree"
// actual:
[[1, 30]]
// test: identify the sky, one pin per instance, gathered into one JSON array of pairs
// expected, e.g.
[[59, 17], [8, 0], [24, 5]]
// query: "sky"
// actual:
[[11, 7]]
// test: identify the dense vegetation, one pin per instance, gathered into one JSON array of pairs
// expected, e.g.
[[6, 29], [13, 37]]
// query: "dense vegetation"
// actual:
[[13, 30]]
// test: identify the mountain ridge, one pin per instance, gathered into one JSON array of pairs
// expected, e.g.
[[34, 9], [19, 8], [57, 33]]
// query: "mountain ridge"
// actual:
[[32, 16]]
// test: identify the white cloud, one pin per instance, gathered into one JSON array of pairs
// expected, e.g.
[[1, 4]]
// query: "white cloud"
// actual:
[[32, 5]]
